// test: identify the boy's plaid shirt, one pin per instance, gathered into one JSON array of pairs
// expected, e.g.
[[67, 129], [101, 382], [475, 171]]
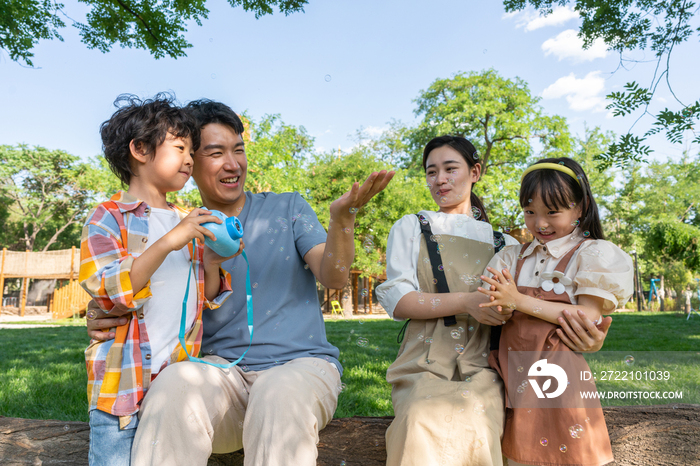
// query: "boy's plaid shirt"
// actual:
[[119, 370]]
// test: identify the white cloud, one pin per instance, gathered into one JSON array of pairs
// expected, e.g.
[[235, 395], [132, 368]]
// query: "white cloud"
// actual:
[[568, 45], [559, 15], [530, 20], [581, 94], [374, 131]]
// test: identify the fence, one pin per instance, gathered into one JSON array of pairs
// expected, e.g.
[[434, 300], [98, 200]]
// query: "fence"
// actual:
[[61, 265], [68, 300]]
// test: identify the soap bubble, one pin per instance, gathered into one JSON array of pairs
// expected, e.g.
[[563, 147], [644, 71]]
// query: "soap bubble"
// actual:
[[91, 314], [213, 76], [562, 448], [520, 368], [576, 431], [368, 244], [459, 348], [586, 234], [362, 342], [467, 379], [471, 328], [255, 285], [576, 223], [423, 220], [465, 393], [428, 340], [435, 302], [361, 322], [544, 441], [479, 408], [629, 360], [328, 79], [476, 213], [354, 210], [66, 428], [443, 199], [460, 329], [456, 334], [364, 292]]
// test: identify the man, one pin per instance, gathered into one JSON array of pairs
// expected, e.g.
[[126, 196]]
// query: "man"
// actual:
[[286, 388]]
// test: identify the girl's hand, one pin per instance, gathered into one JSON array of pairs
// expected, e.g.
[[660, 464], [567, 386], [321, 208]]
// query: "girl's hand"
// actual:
[[503, 291], [210, 257], [190, 227], [586, 339]]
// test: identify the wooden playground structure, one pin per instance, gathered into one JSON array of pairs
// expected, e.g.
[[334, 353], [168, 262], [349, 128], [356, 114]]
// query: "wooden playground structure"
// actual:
[[62, 265]]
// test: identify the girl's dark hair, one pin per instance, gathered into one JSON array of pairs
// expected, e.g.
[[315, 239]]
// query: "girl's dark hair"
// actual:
[[468, 151], [558, 190], [147, 123]]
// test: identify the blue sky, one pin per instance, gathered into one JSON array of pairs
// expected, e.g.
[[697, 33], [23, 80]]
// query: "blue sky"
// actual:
[[337, 67]]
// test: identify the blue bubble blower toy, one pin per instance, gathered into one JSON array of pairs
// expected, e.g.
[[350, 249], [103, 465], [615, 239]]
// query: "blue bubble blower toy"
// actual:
[[228, 235]]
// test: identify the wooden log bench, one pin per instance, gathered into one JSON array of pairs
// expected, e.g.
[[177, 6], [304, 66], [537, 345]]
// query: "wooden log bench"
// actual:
[[666, 435]]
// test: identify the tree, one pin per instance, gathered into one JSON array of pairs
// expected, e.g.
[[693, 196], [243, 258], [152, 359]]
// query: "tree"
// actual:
[[330, 175], [655, 213], [625, 25], [498, 115], [156, 26], [44, 193]]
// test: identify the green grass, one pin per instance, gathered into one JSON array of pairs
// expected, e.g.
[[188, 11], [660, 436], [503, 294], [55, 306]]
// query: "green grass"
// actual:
[[42, 370]]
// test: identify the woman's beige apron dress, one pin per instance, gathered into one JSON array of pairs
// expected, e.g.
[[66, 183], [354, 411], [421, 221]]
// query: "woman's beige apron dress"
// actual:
[[526, 429], [447, 401]]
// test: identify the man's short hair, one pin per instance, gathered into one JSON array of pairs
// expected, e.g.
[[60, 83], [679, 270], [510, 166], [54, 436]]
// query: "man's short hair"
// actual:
[[207, 111], [147, 123]]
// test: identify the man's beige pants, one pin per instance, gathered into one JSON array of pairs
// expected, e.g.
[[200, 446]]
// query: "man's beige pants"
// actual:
[[193, 410]]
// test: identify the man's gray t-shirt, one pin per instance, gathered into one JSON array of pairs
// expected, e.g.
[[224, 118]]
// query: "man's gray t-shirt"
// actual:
[[278, 231]]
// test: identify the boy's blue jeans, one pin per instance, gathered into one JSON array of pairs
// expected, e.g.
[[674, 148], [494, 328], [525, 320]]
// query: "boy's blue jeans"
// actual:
[[109, 445]]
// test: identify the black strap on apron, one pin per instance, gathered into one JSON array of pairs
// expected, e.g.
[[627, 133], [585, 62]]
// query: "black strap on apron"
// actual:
[[439, 275]]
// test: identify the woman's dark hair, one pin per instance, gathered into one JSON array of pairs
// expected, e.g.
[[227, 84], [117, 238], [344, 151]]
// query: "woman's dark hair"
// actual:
[[558, 190], [147, 123], [207, 111], [468, 151]]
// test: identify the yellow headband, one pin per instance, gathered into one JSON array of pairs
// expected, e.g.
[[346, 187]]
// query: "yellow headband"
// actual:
[[551, 166]]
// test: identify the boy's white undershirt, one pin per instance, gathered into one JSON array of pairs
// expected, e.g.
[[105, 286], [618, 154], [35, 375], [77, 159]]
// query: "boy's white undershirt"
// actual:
[[162, 312]]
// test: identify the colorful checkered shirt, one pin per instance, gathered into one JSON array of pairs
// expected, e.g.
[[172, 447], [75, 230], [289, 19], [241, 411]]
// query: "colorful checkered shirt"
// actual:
[[119, 370]]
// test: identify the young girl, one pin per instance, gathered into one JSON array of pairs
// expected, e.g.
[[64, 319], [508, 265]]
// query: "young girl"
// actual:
[[568, 265]]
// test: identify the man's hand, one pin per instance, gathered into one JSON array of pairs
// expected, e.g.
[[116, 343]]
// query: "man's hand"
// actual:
[[347, 205], [586, 339], [100, 328]]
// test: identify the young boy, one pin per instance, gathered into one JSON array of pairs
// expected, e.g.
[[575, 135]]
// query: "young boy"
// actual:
[[136, 254]]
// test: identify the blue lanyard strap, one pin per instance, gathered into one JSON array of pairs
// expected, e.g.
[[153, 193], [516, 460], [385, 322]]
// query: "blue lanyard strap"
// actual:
[[249, 306]]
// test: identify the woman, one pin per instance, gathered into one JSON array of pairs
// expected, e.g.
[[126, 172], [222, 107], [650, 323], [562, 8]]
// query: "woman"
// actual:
[[448, 402]]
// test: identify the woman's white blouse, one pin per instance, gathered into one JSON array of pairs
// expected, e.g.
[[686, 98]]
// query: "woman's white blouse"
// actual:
[[403, 248]]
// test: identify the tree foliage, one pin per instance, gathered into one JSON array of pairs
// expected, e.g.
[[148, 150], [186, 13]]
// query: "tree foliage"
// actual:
[[498, 115], [43, 192], [625, 25], [330, 175], [156, 26]]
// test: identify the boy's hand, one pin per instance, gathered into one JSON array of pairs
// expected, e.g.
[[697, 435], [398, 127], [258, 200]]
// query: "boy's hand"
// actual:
[[190, 227], [502, 292], [210, 257]]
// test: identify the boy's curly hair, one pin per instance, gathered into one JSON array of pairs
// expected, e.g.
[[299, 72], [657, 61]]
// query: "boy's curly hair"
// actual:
[[147, 123]]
